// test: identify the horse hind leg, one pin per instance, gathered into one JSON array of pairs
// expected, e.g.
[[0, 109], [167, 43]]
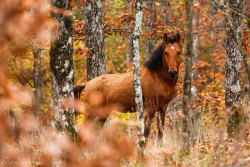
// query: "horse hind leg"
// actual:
[[96, 115], [103, 121], [102, 115]]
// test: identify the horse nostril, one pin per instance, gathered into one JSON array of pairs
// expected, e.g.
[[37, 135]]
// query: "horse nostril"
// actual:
[[172, 74]]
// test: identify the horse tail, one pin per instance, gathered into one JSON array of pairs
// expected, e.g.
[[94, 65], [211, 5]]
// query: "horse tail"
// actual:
[[77, 91]]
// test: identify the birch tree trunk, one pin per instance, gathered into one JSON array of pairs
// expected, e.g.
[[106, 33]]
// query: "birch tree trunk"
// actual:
[[62, 72], [187, 83], [129, 43], [37, 78], [94, 38], [150, 18], [136, 73], [233, 69]]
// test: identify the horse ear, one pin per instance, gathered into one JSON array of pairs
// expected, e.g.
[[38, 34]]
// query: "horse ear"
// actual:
[[165, 38], [178, 37]]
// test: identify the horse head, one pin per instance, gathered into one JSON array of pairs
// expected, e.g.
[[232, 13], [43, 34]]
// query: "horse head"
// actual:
[[171, 55]]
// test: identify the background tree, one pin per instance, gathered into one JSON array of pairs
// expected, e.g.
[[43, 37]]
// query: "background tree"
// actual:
[[197, 127], [129, 51], [187, 82], [165, 11], [37, 77], [150, 17], [94, 38], [213, 35], [196, 42], [233, 68], [62, 72]]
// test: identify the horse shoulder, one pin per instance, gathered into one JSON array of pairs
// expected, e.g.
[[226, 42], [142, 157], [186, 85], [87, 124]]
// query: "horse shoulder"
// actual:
[[155, 90], [149, 84]]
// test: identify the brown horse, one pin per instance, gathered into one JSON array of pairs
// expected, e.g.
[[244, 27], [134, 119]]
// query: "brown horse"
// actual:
[[158, 80]]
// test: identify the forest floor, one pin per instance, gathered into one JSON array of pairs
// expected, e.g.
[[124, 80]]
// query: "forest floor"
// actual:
[[216, 149], [114, 145]]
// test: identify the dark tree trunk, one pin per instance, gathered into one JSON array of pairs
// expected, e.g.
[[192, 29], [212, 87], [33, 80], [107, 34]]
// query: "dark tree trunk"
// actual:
[[196, 117], [94, 38], [62, 72], [186, 106], [233, 68], [150, 19], [129, 43], [37, 78]]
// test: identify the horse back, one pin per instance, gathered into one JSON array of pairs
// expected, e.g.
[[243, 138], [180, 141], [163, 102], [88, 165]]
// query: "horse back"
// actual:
[[115, 89]]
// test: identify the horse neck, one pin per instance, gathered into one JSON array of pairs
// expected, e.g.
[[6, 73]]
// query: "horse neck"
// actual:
[[163, 73]]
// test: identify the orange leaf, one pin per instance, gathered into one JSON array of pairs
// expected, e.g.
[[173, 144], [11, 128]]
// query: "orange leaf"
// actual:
[[83, 2], [72, 3]]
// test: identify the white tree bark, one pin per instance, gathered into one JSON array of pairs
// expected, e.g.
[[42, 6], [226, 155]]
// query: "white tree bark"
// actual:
[[136, 73], [62, 72], [94, 38]]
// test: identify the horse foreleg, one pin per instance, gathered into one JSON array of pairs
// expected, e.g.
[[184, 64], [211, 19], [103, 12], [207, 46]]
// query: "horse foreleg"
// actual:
[[160, 123], [149, 115]]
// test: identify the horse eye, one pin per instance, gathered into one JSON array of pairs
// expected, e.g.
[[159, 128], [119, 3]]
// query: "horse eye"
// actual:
[[166, 53], [178, 53]]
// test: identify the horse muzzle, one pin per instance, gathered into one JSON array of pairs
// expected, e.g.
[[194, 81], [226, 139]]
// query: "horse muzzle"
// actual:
[[172, 74]]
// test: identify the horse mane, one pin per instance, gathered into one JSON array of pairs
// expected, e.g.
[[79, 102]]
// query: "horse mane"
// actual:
[[155, 62]]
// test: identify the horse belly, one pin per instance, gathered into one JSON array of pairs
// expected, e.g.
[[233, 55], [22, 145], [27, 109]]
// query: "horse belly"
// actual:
[[122, 97]]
